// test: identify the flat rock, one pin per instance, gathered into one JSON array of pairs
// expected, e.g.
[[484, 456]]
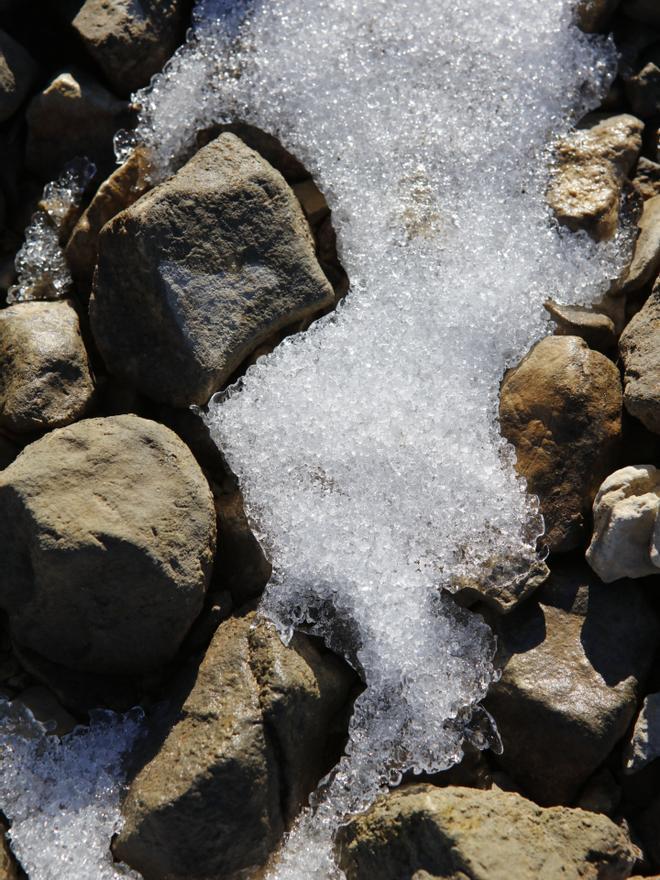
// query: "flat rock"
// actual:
[[561, 410], [626, 537], [592, 165], [45, 380], [252, 740], [465, 834], [17, 72], [573, 660], [107, 534], [176, 319], [131, 41], [639, 347], [646, 258], [596, 328], [644, 744]]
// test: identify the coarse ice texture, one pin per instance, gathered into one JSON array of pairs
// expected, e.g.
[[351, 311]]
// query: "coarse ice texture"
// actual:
[[368, 448], [62, 796]]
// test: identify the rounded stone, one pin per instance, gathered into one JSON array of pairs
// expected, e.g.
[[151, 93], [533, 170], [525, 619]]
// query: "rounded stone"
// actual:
[[107, 536]]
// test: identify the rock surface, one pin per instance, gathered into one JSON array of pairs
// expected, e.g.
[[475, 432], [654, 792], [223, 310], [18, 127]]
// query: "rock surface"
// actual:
[[572, 662], [466, 834], [8, 870], [250, 743], [644, 744], [45, 380], [626, 538], [176, 320], [561, 410], [107, 533], [646, 259], [643, 87], [647, 178], [590, 176], [596, 328], [593, 15], [639, 347], [17, 71]]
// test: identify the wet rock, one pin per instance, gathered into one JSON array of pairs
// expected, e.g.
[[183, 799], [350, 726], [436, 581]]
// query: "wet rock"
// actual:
[[645, 11], [646, 258], [644, 744], [17, 72], [561, 410], [45, 380], [590, 177], [459, 833], [121, 189], [251, 742], [639, 347], [647, 178], [593, 15], [73, 116], [204, 308], [130, 42], [626, 539], [107, 533], [601, 794], [597, 329], [572, 666]]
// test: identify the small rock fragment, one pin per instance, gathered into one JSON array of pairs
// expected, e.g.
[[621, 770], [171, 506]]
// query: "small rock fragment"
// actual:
[[646, 258], [596, 328], [639, 346], [561, 410], [647, 178], [458, 833], [626, 538], [45, 380], [502, 584], [17, 72], [644, 744]]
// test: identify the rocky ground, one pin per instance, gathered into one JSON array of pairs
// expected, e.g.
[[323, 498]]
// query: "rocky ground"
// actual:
[[129, 573]]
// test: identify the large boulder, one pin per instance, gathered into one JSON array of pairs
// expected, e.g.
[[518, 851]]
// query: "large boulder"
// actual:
[[572, 666], [626, 538], [639, 346], [17, 71], [253, 738], [45, 381], [647, 178], [201, 270], [427, 833], [561, 410], [107, 534]]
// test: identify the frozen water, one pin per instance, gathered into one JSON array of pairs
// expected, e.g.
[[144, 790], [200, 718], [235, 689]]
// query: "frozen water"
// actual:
[[62, 795], [368, 448]]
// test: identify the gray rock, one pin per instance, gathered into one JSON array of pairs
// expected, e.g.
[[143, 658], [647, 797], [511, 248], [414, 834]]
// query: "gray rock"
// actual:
[[107, 534], [203, 309], [572, 666], [644, 744], [252, 740], [596, 328], [45, 380], [647, 178], [639, 347], [466, 834], [17, 72]]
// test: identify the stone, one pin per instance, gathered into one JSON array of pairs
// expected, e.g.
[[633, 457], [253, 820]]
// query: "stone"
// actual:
[[596, 328], [8, 452], [594, 15], [458, 833], [502, 584], [242, 567], [647, 178], [643, 87], [17, 73], [46, 708], [45, 379], [124, 187], [572, 660], [107, 535], [639, 347], [645, 11], [646, 258], [644, 744], [626, 537], [561, 410], [591, 168], [8, 867], [74, 116], [203, 309], [251, 741], [131, 41]]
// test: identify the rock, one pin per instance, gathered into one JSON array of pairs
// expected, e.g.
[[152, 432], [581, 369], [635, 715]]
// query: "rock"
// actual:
[[251, 742], [593, 15], [131, 42], [107, 533], [46, 708], [648, 826], [644, 744], [121, 189], [17, 72], [646, 258], [591, 169], [601, 794], [596, 328], [242, 567], [73, 116], [45, 380], [561, 410], [572, 666], [8, 868], [626, 538], [643, 87], [639, 347], [647, 178], [460, 833], [502, 584], [203, 308], [8, 452], [645, 11]]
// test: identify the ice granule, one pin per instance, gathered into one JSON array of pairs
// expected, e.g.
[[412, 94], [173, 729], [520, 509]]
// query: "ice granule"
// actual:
[[40, 263], [62, 796]]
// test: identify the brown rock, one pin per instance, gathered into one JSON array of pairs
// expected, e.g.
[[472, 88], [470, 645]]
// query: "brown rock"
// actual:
[[596, 328], [594, 15], [45, 381], [646, 258], [639, 346], [8, 867], [647, 178], [17, 72], [561, 410], [242, 567]]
